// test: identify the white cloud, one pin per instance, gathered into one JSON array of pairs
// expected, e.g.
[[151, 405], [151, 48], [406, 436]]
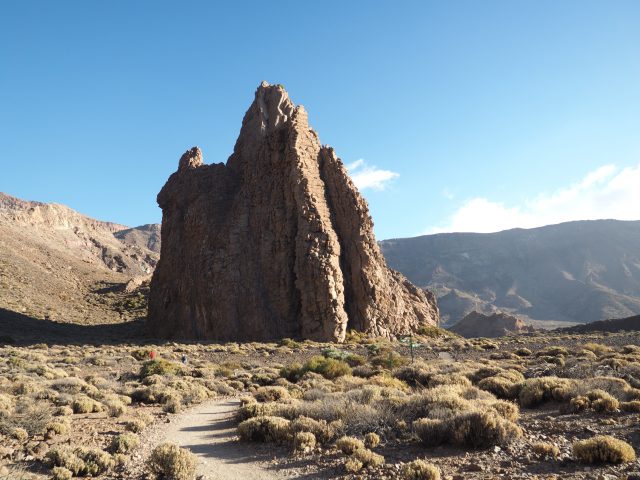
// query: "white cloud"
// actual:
[[365, 176], [607, 192]]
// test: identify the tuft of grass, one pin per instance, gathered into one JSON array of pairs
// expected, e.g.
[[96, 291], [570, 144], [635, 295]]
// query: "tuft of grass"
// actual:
[[371, 440]]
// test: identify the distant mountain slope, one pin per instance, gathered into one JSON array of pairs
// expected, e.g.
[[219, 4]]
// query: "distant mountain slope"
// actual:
[[145, 236], [574, 272], [615, 325], [57, 263]]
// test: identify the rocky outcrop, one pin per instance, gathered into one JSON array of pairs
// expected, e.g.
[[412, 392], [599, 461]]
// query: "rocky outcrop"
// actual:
[[276, 243], [495, 325]]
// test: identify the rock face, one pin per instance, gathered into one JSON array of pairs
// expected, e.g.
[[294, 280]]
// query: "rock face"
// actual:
[[276, 243], [490, 326]]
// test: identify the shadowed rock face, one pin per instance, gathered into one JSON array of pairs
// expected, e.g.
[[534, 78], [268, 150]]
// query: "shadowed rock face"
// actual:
[[276, 243]]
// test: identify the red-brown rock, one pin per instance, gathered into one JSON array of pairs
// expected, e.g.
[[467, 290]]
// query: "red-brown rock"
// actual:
[[276, 243]]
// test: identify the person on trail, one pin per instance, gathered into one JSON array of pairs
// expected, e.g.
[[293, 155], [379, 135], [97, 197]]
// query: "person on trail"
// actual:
[[152, 355], [184, 359]]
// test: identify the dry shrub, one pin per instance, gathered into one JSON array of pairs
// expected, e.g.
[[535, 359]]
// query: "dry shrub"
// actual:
[[579, 404], [431, 431], [523, 352], [348, 445], [602, 401], [304, 442], [264, 429], [632, 406], [506, 384], [420, 470], [135, 425], [597, 348], [368, 458], [124, 442], [507, 410], [81, 461], [545, 449], [352, 465], [170, 462], [471, 429], [61, 473], [271, 394], [545, 389], [322, 431], [371, 440], [603, 449], [84, 404], [28, 415]]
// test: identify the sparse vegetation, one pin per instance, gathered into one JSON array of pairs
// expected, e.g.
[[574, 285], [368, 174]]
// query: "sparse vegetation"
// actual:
[[170, 462], [603, 449]]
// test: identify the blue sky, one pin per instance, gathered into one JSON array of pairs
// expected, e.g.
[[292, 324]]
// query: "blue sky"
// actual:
[[459, 115]]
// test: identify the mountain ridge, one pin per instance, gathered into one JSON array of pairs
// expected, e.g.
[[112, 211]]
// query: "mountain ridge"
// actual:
[[577, 271]]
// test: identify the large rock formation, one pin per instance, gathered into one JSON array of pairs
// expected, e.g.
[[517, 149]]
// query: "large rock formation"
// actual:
[[276, 243]]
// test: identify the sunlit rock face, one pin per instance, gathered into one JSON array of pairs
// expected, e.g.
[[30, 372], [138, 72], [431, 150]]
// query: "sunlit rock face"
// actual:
[[276, 243]]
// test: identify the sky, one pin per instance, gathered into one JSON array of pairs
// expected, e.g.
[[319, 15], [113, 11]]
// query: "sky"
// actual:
[[451, 115]]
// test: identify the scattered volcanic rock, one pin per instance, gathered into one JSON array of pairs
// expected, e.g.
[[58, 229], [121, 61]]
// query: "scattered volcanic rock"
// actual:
[[478, 324], [276, 243]]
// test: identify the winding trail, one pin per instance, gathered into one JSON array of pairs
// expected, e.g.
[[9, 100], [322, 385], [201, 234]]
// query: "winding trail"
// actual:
[[209, 431]]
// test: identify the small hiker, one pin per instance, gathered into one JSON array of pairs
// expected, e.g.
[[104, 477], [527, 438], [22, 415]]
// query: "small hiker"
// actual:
[[184, 359]]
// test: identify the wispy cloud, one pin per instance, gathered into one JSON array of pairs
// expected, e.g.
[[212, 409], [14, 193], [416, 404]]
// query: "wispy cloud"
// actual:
[[366, 176], [607, 192]]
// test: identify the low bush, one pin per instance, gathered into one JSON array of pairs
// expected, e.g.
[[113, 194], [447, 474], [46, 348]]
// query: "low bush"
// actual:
[[603, 449], [420, 470], [545, 449], [472, 429], [535, 391], [124, 442], [368, 458], [348, 445], [264, 429], [304, 442], [271, 394], [371, 440], [170, 462], [159, 367]]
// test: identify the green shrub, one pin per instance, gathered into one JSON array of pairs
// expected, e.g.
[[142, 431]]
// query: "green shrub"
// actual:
[[159, 367], [170, 462], [603, 449]]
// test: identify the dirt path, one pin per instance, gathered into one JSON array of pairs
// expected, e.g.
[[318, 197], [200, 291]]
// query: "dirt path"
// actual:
[[208, 430]]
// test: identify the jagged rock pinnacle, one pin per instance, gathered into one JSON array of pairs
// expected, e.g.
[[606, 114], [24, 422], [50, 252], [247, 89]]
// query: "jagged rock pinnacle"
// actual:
[[276, 243]]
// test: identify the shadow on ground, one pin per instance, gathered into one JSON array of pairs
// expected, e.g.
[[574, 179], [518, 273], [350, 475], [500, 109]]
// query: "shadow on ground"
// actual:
[[19, 329]]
